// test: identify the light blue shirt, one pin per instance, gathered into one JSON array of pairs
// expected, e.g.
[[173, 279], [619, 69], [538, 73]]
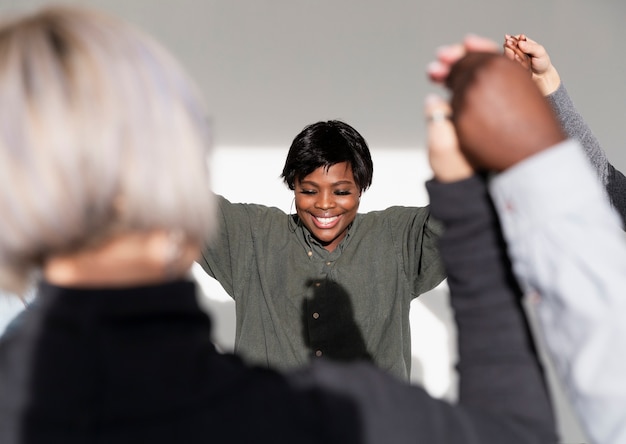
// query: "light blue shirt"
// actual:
[[568, 248]]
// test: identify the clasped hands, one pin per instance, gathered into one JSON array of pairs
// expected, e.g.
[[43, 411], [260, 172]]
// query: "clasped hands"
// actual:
[[498, 115]]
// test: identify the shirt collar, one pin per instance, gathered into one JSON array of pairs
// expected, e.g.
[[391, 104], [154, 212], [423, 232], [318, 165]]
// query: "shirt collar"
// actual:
[[311, 244]]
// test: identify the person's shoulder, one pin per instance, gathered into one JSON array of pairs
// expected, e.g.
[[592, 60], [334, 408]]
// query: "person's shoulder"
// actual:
[[396, 213], [395, 210], [394, 219], [248, 207]]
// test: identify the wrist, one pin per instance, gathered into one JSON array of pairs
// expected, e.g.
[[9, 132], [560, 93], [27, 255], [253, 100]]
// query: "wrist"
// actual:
[[548, 82], [452, 175]]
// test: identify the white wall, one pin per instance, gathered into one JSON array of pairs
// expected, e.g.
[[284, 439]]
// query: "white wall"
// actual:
[[268, 67]]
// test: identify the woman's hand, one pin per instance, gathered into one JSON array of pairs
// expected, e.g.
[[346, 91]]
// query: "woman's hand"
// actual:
[[500, 115], [534, 57], [444, 154], [448, 55]]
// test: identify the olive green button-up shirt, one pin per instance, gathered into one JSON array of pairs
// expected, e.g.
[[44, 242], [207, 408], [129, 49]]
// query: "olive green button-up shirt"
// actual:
[[296, 301]]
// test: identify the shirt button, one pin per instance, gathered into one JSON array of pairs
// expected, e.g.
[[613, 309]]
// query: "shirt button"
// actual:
[[317, 284], [316, 315], [310, 253], [328, 263], [318, 353]]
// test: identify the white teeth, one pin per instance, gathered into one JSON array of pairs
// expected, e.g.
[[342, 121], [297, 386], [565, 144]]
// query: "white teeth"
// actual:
[[326, 220]]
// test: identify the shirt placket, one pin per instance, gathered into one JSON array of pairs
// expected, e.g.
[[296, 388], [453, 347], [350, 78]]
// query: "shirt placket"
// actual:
[[319, 306]]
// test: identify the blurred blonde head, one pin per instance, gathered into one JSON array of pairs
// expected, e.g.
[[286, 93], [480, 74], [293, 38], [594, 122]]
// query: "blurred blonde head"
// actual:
[[101, 132]]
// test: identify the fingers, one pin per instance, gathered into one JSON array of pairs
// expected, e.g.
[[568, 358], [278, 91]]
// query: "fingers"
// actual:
[[450, 54], [527, 46], [446, 56], [509, 52], [437, 71], [532, 48], [516, 36], [535, 57], [474, 42], [513, 52], [446, 160]]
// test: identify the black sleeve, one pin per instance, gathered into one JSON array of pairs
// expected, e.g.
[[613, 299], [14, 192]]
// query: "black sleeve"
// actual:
[[498, 365], [616, 188]]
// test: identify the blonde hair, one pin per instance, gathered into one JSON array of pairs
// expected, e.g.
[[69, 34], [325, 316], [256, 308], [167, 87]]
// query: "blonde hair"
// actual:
[[100, 131]]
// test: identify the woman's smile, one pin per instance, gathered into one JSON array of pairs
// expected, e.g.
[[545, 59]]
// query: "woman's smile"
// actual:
[[327, 201]]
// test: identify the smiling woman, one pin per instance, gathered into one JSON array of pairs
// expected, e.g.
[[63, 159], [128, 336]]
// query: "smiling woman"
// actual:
[[328, 183], [326, 281], [327, 201]]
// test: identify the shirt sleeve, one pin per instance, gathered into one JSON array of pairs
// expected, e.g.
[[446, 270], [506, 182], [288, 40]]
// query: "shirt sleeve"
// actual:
[[567, 246], [227, 255], [415, 234], [499, 369], [430, 268]]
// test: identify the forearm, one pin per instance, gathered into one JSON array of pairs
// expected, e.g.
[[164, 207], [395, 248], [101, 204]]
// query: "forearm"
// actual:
[[575, 127], [390, 411], [498, 368]]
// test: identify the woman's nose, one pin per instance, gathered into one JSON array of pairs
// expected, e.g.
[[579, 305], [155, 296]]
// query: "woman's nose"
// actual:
[[324, 201]]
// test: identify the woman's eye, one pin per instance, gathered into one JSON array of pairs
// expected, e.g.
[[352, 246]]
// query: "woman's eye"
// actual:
[[343, 192], [307, 191]]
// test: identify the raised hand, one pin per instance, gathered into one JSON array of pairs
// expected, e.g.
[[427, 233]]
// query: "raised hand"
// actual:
[[533, 57], [447, 56], [444, 154], [500, 116]]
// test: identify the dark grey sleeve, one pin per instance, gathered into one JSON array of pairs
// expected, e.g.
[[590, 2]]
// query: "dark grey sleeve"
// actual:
[[499, 369], [575, 127], [616, 188], [503, 395]]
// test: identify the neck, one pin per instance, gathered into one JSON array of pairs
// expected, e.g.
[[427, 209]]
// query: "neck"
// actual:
[[128, 259]]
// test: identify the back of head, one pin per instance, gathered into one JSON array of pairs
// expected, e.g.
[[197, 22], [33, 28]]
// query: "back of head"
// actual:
[[100, 132], [324, 144]]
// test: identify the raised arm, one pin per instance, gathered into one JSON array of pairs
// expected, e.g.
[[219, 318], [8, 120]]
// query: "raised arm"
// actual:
[[564, 239], [568, 248], [498, 365], [534, 57]]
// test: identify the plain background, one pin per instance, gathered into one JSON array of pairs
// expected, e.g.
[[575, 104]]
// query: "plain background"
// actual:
[[269, 67]]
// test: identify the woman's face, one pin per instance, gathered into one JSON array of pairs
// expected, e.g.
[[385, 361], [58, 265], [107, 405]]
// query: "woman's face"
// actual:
[[327, 201]]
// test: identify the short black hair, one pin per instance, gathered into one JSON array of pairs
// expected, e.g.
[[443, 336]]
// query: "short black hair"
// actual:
[[324, 144]]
